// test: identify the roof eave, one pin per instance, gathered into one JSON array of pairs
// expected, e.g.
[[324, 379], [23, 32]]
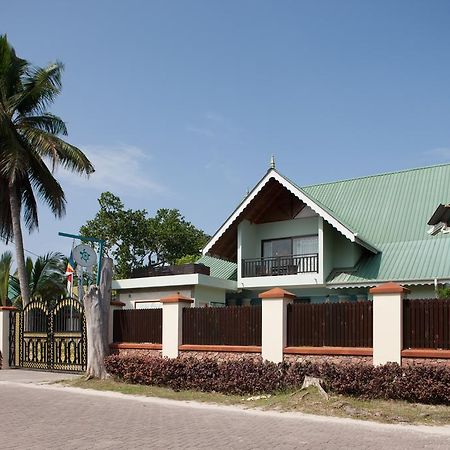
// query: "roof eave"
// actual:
[[299, 193]]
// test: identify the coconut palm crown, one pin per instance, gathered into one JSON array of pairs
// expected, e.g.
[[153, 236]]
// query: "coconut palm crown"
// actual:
[[30, 149]]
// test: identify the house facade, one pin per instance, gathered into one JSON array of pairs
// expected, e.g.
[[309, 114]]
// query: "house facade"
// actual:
[[331, 241]]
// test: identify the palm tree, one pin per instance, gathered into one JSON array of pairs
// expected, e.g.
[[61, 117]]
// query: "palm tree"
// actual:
[[46, 278], [5, 273], [29, 140]]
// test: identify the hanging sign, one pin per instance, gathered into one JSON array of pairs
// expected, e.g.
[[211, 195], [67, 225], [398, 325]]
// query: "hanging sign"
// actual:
[[84, 255]]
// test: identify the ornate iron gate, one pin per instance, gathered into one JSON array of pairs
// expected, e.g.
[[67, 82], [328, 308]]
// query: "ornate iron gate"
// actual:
[[49, 337]]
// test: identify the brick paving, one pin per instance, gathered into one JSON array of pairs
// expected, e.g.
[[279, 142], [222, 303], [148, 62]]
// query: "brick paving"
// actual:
[[49, 417]]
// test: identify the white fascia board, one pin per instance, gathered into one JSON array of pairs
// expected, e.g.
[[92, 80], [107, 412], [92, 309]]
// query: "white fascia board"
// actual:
[[174, 281], [214, 282], [154, 282], [300, 195]]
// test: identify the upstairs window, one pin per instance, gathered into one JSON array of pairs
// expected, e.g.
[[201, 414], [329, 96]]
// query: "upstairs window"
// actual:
[[303, 245]]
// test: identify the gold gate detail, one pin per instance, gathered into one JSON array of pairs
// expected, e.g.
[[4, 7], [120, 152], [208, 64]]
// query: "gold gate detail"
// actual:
[[49, 336]]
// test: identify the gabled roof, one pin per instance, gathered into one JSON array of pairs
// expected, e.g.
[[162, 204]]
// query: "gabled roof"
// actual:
[[386, 213], [391, 211], [303, 196]]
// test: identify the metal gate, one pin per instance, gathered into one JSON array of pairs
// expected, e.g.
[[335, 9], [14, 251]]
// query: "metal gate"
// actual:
[[49, 337]]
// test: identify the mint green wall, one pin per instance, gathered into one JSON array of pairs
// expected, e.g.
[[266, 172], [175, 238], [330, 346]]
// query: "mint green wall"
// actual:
[[252, 235], [339, 252], [248, 237], [328, 249]]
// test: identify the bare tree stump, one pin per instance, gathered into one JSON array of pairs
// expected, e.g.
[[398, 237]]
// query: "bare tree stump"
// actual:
[[96, 305], [316, 382]]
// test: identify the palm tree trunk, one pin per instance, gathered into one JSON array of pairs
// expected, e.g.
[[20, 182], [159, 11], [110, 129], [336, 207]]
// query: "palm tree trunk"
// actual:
[[18, 240]]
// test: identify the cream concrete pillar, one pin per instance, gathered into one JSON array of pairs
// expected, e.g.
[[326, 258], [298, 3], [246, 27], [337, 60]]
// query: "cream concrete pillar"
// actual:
[[114, 306], [388, 323], [274, 323], [172, 326], [4, 334]]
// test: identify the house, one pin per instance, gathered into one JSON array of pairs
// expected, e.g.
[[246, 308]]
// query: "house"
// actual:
[[324, 242]]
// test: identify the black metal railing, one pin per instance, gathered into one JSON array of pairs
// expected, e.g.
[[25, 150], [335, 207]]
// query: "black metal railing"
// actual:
[[280, 265]]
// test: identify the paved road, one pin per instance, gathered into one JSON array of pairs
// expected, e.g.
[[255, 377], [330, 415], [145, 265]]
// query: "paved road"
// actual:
[[48, 417]]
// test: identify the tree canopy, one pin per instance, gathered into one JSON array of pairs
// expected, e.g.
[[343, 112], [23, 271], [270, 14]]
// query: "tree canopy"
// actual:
[[134, 239], [31, 147]]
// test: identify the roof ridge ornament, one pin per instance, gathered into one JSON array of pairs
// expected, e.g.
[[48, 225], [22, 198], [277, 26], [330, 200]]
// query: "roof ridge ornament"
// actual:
[[272, 162]]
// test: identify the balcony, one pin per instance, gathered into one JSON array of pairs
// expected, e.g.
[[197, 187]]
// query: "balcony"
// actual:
[[280, 265]]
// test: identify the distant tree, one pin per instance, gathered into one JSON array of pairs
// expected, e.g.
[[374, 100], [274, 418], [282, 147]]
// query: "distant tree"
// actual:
[[123, 230], [133, 239], [29, 140], [173, 237], [5, 274]]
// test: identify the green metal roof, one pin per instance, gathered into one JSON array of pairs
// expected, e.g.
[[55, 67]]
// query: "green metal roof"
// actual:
[[220, 268], [390, 211]]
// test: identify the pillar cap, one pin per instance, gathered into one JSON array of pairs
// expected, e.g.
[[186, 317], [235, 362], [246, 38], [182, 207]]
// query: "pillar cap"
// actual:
[[176, 298], [276, 293], [116, 303], [8, 308], [389, 288]]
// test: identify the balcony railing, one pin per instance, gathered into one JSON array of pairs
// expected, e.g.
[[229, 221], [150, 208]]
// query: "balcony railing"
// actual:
[[280, 265]]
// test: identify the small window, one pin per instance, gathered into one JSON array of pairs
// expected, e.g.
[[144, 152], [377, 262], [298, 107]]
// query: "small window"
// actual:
[[307, 245]]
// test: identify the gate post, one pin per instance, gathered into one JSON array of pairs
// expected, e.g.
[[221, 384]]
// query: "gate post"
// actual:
[[388, 323], [4, 334], [172, 326], [274, 323]]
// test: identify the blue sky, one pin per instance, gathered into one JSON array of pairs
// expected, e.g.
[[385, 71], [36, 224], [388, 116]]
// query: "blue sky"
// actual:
[[181, 103]]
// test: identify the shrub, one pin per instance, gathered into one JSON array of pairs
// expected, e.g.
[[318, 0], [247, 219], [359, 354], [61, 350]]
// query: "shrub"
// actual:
[[424, 384]]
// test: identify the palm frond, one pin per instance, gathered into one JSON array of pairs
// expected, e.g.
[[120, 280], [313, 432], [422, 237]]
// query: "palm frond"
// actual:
[[58, 151], [12, 70], [45, 122], [41, 85], [47, 187]]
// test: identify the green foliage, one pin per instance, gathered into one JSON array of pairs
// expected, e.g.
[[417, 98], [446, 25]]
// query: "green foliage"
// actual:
[[5, 271], [46, 277], [133, 239], [29, 138], [31, 147], [444, 292], [188, 259]]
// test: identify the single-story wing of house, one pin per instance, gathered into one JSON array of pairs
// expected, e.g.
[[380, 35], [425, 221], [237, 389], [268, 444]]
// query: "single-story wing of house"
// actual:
[[324, 242]]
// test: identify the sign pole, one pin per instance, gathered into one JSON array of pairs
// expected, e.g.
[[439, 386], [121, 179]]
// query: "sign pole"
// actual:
[[101, 243]]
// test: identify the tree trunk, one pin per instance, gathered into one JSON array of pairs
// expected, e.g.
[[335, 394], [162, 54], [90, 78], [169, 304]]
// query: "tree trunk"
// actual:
[[96, 306], [18, 240]]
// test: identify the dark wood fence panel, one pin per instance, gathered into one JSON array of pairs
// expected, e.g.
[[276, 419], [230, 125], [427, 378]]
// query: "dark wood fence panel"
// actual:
[[231, 325], [138, 325], [426, 323], [330, 324]]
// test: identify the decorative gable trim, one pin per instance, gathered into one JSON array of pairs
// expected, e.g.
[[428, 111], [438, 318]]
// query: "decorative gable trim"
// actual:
[[272, 173]]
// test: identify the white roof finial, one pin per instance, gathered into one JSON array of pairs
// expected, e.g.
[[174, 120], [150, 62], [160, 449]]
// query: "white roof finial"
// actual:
[[272, 162]]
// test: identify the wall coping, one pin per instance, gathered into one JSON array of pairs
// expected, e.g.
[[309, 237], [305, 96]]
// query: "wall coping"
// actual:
[[220, 348], [425, 353], [135, 346], [276, 293], [338, 351], [116, 303], [389, 288], [176, 298]]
